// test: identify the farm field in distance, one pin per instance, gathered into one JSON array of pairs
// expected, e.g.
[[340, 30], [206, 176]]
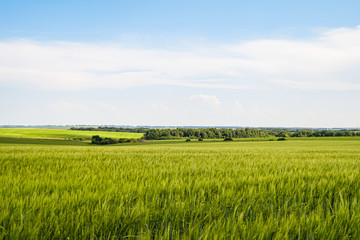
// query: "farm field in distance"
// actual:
[[62, 133], [296, 189]]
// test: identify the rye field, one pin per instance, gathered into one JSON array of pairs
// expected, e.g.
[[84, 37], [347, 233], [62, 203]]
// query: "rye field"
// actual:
[[303, 189]]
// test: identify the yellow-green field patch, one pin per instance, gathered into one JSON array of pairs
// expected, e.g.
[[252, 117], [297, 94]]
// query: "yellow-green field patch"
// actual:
[[63, 133]]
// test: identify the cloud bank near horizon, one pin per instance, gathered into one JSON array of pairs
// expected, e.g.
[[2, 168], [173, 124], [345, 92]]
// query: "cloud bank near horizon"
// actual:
[[329, 61]]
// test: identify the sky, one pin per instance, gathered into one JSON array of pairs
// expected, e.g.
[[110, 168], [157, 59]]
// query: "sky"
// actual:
[[180, 63]]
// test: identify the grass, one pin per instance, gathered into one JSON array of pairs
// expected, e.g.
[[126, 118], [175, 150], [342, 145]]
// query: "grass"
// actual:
[[62, 133], [40, 141], [304, 189]]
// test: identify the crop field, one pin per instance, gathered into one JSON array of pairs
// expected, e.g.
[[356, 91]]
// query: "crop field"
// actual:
[[303, 189], [62, 133]]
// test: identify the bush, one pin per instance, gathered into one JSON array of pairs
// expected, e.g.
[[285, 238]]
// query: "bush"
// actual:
[[124, 140], [106, 141], [188, 140], [281, 139], [130, 140], [282, 134], [200, 139], [228, 139], [96, 139]]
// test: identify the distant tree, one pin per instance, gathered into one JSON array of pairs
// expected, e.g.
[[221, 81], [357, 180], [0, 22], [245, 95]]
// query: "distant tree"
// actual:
[[282, 134], [96, 139], [106, 141], [152, 134], [339, 134]]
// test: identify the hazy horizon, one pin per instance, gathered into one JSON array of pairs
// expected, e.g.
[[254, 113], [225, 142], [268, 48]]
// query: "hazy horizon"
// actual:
[[165, 126]]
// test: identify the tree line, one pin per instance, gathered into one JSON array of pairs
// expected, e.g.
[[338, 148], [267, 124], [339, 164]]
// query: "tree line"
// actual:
[[216, 133], [325, 133], [219, 133], [96, 139], [110, 129], [204, 133]]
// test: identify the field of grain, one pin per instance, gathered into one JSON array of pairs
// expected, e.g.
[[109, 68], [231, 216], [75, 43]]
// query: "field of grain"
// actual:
[[194, 190], [62, 133]]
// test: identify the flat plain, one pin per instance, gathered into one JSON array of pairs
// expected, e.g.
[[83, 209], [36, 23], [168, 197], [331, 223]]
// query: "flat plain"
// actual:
[[303, 189]]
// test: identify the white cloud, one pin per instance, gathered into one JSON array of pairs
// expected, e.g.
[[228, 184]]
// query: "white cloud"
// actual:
[[160, 107], [331, 61], [213, 100], [64, 106], [107, 107], [318, 85], [239, 107]]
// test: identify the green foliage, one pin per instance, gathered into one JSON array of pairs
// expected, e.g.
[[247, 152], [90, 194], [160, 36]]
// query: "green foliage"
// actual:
[[110, 129], [324, 133], [96, 139], [219, 133], [228, 139], [130, 140], [124, 140], [204, 133], [200, 139], [303, 189], [282, 134], [282, 139], [152, 134]]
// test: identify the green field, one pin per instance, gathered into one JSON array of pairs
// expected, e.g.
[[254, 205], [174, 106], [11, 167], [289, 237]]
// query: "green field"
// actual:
[[62, 133], [303, 189]]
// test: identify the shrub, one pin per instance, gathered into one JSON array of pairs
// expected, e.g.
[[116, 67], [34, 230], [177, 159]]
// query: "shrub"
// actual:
[[200, 139], [96, 139], [124, 140], [188, 140], [131, 140], [282, 134], [228, 139], [106, 141], [281, 139]]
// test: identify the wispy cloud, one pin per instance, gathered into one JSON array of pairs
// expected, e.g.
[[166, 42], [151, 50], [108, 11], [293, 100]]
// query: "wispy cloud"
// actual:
[[160, 107], [62, 106], [210, 99], [239, 107], [107, 107], [330, 61]]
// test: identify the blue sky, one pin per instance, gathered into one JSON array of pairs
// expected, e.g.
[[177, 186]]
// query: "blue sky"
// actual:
[[244, 63]]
